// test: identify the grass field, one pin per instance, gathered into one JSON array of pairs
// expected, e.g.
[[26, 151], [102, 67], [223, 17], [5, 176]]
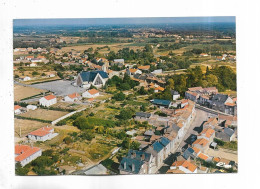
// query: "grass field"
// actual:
[[44, 114], [26, 126], [21, 92]]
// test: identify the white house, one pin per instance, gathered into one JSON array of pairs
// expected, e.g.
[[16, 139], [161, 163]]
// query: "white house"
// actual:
[[175, 95], [92, 93], [48, 100], [42, 134], [33, 64], [24, 154], [72, 97], [26, 78], [132, 72], [17, 109], [31, 107]]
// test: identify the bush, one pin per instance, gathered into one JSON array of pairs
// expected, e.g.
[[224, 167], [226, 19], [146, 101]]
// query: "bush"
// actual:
[[219, 142], [87, 135], [67, 140], [82, 123]]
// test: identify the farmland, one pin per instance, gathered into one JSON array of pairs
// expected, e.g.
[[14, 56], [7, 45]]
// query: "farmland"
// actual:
[[44, 114], [21, 92]]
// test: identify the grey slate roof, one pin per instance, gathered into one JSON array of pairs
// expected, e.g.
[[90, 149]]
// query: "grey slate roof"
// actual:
[[229, 131], [220, 98], [175, 127], [139, 154], [161, 102], [143, 114], [90, 76], [187, 153], [132, 165], [157, 146], [174, 92], [164, 141]]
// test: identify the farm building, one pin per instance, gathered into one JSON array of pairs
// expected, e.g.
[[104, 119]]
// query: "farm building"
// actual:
[[48, 100], [42, 134], [72, 97], [92, 93], [24, 154], [17, 109]]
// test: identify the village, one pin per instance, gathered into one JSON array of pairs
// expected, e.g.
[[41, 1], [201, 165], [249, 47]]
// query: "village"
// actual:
[[92, 111]]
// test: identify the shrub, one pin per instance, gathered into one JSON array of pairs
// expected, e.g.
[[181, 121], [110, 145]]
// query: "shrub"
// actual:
[[67, 140]]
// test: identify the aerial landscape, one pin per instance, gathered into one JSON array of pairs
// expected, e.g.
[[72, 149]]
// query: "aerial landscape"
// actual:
[[116, 96]]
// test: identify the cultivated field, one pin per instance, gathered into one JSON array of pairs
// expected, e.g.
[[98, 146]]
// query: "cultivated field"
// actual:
[[21, 92], [44, 114], [26, 126]]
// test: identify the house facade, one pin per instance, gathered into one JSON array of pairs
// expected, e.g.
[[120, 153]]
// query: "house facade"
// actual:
[[24, 154], [48, 100], [42, 134], [92, 93], [72, 97]]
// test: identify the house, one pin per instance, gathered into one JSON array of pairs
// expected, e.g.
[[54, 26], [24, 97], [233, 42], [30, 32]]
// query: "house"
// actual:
[[132, 72], [33, 64], [203, 156], [161, 103], [185, 166], [201, 144], [220, 102], [227, 134], [42, 134], [48, 100], [142, 116], [166, 143], [204, 55], [31, 107], [122, 61], [72, 97], [92, 93], [24, 154], [137, 162], [158, 89], [144, 68], [175, 95], [207, 134], [17, 109], [188, 154], [156, 149], [192, 96], [26, 78], [95, 78]]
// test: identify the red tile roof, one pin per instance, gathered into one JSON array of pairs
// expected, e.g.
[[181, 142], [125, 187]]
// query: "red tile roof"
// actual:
[[24, 152], [144, 67], [202, 142], [74, 95], [50, 97], [41, 132], [16, 107], [203, 156], [208, 132], [188, 165], [93, 91]]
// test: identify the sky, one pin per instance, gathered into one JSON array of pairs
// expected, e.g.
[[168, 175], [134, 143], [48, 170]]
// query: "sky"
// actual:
[[118, 21]]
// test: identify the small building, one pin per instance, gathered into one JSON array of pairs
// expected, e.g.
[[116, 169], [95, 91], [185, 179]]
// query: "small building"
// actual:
[[26, 78], [17, 109], [227, 134], [92, 93], [48, 100], [33, 64], [175, 95], [42, 134], [132, 72], [158, 89], [24, 154], [201, 144], [31, 107], [161, 103], [185, 166], [72, 97]]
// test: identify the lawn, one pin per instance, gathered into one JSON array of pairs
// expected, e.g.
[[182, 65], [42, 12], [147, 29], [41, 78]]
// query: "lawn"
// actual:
[[44, 114], [21, 92], [26, 126]]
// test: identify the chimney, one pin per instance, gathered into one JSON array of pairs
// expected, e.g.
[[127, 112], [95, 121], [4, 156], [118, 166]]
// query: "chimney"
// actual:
[[133, 167], [125, 165], [142, 157]]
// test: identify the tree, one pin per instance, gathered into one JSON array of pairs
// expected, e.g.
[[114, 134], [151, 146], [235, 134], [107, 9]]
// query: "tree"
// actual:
[[171, 83], [135, 145], [82, 123], [212, 80], [119, 96], [34, 73], [67, 140], [125, 114]]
